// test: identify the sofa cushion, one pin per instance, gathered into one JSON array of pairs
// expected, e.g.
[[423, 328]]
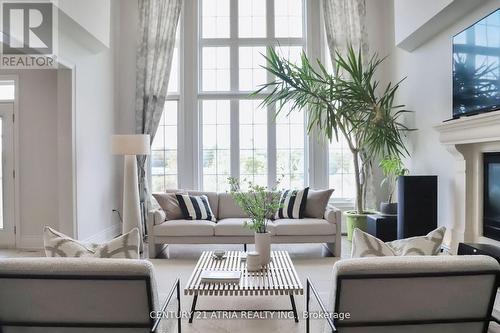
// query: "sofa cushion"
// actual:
[[236, 227], [366, 245], [213, 197], [301, 227], [57, 244], [185, 228], [195, 207], [168, 202], [228, 208], [316, 203], [293, 204]]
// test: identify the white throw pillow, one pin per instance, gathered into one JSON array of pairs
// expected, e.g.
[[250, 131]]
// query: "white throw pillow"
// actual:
[[366, 245], [57, 244]]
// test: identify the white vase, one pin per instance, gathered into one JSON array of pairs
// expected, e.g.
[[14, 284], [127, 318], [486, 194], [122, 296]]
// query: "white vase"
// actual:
[[263, 246]]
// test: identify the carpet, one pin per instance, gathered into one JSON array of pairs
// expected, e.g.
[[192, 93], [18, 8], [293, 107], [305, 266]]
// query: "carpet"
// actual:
[[318, 269]]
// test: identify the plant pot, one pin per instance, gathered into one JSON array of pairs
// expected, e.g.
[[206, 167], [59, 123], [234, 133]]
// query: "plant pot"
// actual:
[[388, 208], [263, 246], [355, 220]]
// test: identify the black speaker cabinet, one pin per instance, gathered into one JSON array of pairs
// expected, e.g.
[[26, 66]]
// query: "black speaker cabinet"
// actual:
[[417, 205]]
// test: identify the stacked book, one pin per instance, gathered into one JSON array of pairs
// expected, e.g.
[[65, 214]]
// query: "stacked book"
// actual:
[[210, 276]]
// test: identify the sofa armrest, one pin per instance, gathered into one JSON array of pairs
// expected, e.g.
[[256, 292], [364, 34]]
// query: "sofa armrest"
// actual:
[[155, 217], [333, 214]]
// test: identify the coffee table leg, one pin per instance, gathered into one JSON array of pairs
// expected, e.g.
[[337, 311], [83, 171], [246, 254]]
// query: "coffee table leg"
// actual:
[[193, 308], [294, 309]]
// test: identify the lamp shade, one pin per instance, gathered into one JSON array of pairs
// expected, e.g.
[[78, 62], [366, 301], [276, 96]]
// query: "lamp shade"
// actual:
[[131, 144]]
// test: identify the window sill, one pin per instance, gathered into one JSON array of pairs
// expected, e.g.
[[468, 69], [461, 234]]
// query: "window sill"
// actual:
[[342, 204]]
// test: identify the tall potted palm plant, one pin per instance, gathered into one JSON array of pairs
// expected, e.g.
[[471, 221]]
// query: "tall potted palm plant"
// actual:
[[348, 100]]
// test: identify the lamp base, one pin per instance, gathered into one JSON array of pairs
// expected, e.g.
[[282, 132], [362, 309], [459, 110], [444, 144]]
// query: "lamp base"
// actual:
[[131, 209]]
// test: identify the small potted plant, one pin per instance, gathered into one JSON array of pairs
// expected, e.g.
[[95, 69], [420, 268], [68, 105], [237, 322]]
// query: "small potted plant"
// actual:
[[259, 204], [392, 167]]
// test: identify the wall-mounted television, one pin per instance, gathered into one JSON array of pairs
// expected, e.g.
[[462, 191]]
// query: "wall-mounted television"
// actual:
[[476, 67]]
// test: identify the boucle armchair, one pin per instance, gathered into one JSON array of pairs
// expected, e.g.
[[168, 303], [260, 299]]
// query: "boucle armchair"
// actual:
[[417, 294], [81, 295]]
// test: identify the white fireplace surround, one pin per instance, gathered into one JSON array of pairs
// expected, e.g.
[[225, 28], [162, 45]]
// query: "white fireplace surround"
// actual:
[[467, 139]]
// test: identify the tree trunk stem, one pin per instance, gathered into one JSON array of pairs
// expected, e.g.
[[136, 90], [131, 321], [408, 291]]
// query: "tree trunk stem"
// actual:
[[357, 177]]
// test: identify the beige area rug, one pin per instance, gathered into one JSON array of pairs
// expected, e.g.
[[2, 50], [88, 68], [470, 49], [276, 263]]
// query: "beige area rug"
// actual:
[[318, 269]]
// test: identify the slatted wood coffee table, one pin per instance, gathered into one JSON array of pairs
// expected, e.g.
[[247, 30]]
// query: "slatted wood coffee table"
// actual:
[[278, 278]]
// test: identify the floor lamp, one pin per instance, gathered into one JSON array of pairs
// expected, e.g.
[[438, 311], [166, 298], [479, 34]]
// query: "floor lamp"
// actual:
[[130, 146]]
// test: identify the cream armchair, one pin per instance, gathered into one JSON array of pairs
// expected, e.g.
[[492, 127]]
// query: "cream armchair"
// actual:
[[417, 294], [81, 295]]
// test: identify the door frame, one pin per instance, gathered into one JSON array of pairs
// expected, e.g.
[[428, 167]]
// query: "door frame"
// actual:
[[15, 128]]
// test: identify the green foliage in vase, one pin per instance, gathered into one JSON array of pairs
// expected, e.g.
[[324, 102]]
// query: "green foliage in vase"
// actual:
[[349, 101], [257, 202], [392, 167]]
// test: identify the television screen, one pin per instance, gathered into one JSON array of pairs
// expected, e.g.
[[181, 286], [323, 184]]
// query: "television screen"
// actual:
[[476, 60]]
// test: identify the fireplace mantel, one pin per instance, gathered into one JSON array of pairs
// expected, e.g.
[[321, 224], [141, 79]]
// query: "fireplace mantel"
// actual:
[[474, 129], [467, 139]]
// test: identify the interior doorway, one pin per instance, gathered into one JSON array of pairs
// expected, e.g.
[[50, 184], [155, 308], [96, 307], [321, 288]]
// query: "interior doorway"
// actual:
[[7, 173]]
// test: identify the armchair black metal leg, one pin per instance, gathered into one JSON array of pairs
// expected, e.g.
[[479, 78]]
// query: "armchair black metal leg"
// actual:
[[177, 289], [193, 308], [311, 289], [179, 321], [308, 322], [294, 308]]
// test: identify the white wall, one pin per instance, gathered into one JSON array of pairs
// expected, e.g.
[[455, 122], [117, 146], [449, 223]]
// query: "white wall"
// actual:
[[427, 91], [411, 15], [66, 164], [379, 28], [97, 171], [126, 60], [91, 15]]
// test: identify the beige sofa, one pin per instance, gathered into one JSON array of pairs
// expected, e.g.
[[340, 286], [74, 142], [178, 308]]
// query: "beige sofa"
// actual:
[[230, 229], [417, 294]]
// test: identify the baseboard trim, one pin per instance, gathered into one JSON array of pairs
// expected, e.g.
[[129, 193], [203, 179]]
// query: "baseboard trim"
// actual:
[[105, 235], [30, 242]]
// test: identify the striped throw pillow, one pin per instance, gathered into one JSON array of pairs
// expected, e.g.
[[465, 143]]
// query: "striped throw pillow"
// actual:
[[293, 204], [195, 207]]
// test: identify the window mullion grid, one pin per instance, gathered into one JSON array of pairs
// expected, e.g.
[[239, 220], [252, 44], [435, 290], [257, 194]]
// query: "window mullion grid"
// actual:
[[306, 170], [235, 138], [200, 145], [165, 150], [234, 42], [271, 147], [271, 110], [234, 104]]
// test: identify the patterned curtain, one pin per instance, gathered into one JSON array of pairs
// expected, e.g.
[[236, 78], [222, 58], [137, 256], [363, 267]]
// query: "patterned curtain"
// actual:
[[345, 22], [158, 21]]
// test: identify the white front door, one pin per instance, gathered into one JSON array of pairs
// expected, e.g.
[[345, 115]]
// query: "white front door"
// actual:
[[7, 223]]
